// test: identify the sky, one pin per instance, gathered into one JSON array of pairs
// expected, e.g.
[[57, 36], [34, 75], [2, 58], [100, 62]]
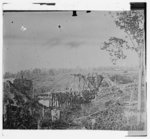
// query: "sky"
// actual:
[[59, 40]]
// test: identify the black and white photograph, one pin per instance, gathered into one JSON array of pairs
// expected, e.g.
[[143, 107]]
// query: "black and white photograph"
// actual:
[[74, 70]]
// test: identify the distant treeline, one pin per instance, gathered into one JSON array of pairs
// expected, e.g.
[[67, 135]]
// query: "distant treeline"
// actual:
[[30, 74]]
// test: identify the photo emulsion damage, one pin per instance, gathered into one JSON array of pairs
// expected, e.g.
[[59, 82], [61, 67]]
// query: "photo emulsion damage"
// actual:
[[74, 70]]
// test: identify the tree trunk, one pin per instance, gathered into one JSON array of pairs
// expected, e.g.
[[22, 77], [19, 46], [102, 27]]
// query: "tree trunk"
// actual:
[[142, 100], [144, 111], [139, 90]]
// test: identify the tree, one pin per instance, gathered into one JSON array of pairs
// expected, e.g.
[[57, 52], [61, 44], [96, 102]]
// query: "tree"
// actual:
[[132, 22], [22, 111], [114, 46], [9, 75]]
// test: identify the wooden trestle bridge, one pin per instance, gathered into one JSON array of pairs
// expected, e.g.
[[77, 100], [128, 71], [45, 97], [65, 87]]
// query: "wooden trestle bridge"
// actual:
[[70, 97]]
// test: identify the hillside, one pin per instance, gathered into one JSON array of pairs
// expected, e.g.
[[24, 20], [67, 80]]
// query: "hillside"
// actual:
[[98, 99]]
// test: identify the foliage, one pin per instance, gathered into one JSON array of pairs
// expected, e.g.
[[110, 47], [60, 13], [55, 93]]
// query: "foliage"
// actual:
[[132, 22], [114, 47], [121, 79], [22, 111], [9, 75], [88, 95], [111, 118]]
